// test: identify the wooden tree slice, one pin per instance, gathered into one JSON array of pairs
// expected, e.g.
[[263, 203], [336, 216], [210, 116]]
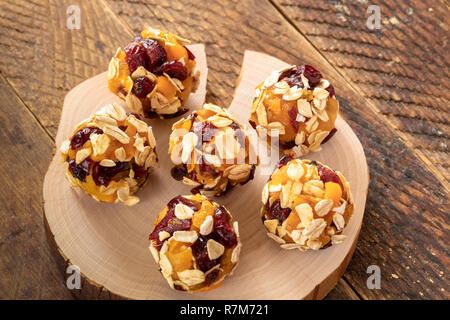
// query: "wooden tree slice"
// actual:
[[109, 242]]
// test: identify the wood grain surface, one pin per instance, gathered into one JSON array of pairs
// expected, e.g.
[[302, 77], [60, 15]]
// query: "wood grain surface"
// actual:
[[85, 231], [398, 75]]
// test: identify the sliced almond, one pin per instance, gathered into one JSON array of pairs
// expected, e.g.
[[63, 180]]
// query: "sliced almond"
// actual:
[[115, 111], [117, 134], [297, 188], [82, 155], [276, 128], [304, 108], [120, 154], [235, 253], [215, 249], [310, 188], [190, 140], [239, 172], [285, 198], [183, 212], [140, 125], [151, 138], [131, 201], [213, 159], [339, 221], [261, 114], [100, 143], [207, 226], [166, 266], [338, 238], [191, 277], [154, 253], [276, 238], [271, 225], [220, 122], [295, 171], [107, 163], [163, 235], [185, 236], [65, 146], [265, 194], [320, 93], [314, 229], [305, 213], [323, 207]]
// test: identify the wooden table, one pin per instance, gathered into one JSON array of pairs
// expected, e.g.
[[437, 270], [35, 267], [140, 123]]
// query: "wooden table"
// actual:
[[397, 76]]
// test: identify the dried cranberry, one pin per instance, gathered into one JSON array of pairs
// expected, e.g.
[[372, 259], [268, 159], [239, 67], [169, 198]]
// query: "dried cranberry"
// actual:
[[330, 89], [252, 123], [81, 170], [294, 76], [204, 130], [155, 53], [328, 137], [206, 168], [179, 199], [142, 87], [223, 232], [134, 114], [287, 145], [313, 75], [170, 223], [196, 189], [293, 117], [179, 172], [135, 57], [277, 212], [103, 175], [200, 252], [174, 69], [190, 54], [284, 161], [328, 175], [82, 135], [212, 276], [139, 171], [123, 128], [239, 134]]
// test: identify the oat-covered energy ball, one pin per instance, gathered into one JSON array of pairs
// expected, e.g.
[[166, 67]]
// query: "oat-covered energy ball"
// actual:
[[110, 154], [154, 74], [210, 151], [306, 205], [299, 105], [195, 242]]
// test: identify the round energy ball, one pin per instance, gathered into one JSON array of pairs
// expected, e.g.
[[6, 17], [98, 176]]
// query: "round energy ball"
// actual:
[[211, 151], [306, 205], [298, 105], [195, 243], [110, 154], [154, 74]]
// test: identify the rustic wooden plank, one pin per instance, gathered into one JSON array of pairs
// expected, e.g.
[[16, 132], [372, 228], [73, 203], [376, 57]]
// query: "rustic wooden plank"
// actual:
[[342, 291], [405, 230], [43, 59], [403, 68], [27, 268]]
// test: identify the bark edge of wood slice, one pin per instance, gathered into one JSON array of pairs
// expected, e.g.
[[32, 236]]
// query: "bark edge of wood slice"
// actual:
[[109, 242]]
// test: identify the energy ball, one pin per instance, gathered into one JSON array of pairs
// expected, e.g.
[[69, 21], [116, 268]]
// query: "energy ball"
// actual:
[[154, 74], [297, 104], [210, 151], [306, 205], [195, 242], [110, 154]]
